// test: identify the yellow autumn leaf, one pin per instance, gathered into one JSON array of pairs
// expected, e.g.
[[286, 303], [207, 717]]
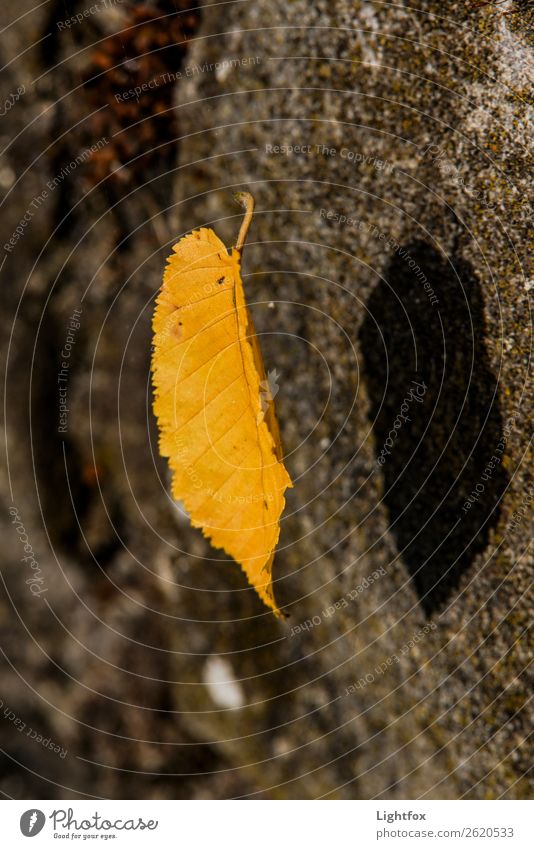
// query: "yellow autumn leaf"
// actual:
[[213, 404]]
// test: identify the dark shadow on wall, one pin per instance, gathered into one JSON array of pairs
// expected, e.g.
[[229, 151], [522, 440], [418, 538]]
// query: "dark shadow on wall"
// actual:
[[427, 371]]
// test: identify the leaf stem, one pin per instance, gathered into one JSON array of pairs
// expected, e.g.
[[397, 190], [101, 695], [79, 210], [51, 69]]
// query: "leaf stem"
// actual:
[[247, 201]]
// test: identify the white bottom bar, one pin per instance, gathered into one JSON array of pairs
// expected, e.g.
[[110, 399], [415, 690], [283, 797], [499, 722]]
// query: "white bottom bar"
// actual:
[[269, 824]]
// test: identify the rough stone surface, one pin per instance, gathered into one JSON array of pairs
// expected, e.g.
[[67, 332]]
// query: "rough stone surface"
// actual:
[[416, 126]]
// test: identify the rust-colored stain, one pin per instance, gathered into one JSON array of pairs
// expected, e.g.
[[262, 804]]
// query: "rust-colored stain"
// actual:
[[133, 73]]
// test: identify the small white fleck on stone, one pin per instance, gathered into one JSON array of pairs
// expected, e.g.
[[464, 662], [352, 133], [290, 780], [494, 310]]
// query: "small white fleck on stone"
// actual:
[[218, 676]]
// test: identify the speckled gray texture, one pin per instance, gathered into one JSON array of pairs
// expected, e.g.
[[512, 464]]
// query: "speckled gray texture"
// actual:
[[349, 81]]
